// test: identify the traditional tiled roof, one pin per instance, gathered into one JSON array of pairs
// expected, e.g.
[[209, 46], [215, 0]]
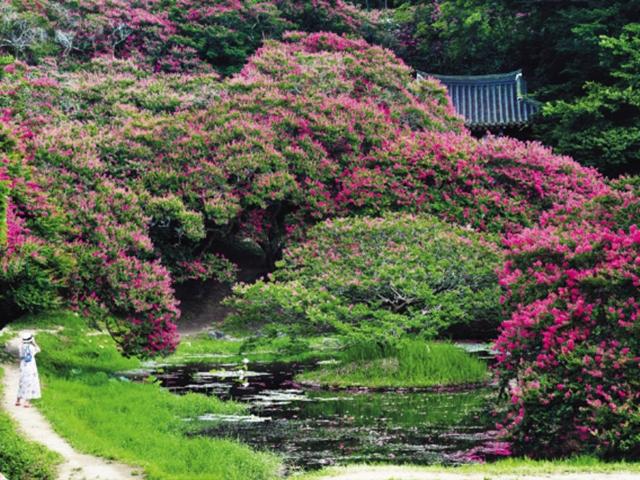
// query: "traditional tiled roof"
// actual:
[[489, 100]]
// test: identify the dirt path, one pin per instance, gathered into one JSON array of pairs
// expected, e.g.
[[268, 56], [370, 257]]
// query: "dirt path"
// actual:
[[400, 473], [74, 466]]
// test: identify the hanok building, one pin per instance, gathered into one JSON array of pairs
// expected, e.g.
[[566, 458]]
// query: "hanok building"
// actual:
[[490, 102]]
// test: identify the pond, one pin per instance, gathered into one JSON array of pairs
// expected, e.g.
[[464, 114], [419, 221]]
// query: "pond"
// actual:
[[313, 428]]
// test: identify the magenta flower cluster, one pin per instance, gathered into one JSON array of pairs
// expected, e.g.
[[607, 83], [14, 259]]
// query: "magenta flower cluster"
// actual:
[[169, 35], [149, 173], [570, 353], [116, 182]]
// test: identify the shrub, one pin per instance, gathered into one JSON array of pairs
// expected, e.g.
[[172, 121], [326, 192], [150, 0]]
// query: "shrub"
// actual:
[[570, 352], [384, 277], [164, 171], [79, 256], [32, 270]]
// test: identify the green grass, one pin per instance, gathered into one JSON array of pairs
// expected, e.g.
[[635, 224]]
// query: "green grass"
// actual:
[[511, 467], [142, 424], [203, 345], [410, 363], [139, 424], [201, 348], [21, 459], [569, 465]]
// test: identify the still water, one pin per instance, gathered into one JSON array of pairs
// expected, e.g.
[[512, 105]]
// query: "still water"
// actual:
[[313, 428]]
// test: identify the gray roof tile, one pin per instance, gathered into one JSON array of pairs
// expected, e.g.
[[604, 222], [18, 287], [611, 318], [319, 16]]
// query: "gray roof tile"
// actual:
[[489, 100]]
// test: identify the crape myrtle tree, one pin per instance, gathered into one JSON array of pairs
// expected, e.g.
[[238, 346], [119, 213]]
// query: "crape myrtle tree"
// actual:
[[379, 279], [34, 264], [570, 353], [167, 35], [153, 172], [71, 239]]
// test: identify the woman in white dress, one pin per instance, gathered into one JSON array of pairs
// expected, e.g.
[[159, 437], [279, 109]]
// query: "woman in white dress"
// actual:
[[29, 387]]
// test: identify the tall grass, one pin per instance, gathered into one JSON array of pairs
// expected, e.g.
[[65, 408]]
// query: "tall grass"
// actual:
[[407, 363]]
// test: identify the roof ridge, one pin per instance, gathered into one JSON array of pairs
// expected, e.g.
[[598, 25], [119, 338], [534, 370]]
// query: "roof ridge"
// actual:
[[491, 76], [472, 77]]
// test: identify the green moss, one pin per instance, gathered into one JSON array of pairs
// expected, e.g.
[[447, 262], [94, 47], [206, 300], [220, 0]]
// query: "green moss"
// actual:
[[411, 363], [20, 459]]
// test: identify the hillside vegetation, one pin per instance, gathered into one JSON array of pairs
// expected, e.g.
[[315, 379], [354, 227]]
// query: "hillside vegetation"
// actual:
[[149, 143]]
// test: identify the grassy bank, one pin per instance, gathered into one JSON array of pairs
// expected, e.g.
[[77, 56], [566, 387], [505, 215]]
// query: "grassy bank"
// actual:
[[411, 363], [140, 424], [512, 467], [200, 348], [20, 459]]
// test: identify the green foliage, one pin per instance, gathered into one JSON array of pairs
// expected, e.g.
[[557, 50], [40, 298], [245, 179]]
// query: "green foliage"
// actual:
[[20, 459], [170, 212], [385, 276], [601, 128], [4, 194], [407, 363], [226, 36], [453, 36], [34, 281], [577, 57]]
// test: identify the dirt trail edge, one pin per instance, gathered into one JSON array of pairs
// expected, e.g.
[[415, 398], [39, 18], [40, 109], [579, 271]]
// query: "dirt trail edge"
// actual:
[[74, 466]]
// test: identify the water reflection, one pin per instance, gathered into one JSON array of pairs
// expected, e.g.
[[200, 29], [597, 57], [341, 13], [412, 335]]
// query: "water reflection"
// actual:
[[313, 428]]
